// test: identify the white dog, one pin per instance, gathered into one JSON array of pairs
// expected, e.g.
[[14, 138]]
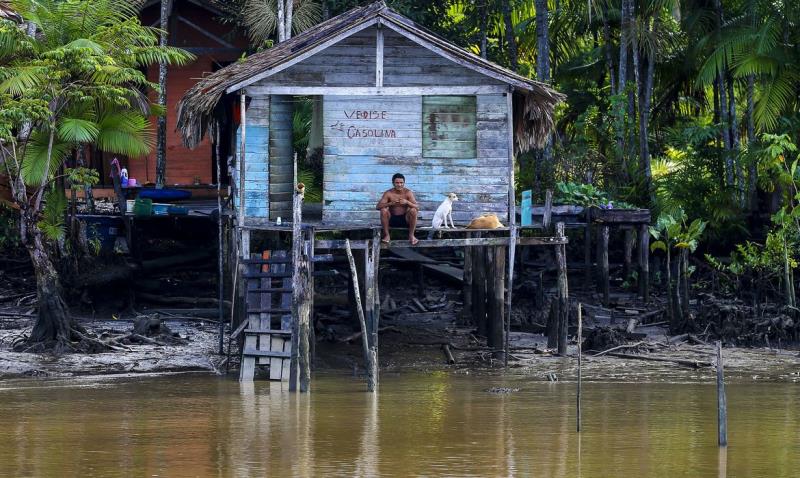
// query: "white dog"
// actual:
[[444, 211]]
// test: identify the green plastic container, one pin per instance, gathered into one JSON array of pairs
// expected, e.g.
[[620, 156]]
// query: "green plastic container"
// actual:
[[143, 207]]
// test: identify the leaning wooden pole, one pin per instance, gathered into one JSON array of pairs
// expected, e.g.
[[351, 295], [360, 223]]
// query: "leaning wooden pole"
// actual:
[[371, 368], [580, 377], [563, 290], [722, 402]]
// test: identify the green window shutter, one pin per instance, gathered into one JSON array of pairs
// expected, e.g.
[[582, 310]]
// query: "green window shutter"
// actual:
[[449, 126]]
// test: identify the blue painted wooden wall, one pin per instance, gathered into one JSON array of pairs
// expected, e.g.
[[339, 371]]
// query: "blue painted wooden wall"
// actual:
[[363, 151], [256, 159]]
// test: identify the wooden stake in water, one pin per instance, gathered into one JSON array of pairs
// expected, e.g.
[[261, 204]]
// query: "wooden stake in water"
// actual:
[[370, 357], [722, 403], [580, 346]]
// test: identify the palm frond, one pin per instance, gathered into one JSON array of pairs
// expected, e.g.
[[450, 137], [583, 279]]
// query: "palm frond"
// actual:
[[260, 19], [126, 132], [77, 130], [35, 168]]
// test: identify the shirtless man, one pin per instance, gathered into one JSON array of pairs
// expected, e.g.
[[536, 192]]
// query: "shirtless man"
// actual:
[[398, 208]]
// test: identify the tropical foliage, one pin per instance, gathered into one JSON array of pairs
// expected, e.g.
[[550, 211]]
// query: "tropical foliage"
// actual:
[[72, 75]]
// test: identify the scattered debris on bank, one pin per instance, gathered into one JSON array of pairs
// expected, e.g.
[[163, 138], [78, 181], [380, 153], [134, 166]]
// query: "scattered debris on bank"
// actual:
[[170, 328]]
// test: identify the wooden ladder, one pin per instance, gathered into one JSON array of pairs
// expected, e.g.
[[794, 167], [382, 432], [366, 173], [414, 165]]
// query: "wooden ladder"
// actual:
[[268, 311]]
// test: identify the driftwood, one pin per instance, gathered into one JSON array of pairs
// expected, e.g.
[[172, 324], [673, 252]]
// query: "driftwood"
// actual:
[[448, 354], [618, 347], [688, 363], [358, 334]]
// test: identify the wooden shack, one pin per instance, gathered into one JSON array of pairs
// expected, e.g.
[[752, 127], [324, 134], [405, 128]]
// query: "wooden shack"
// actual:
[[393, 97], [388, 96]]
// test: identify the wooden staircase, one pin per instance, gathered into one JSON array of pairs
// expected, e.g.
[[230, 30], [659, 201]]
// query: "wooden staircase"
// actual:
[[268, 312]]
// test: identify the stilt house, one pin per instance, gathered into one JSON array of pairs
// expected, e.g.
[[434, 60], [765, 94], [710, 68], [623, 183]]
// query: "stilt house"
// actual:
[[389, 96]]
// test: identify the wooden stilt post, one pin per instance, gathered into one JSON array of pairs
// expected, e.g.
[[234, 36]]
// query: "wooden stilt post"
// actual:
[[512, 245], [552, 325], [629, 239], [375, 247], [370, 366], [563, 291], [495, 291], [602, 246], [300, 366], [466, 311], [548, 209], [587, 248], [722, 402], [580, 349], [644, 262], [479, 287], [220, 251]]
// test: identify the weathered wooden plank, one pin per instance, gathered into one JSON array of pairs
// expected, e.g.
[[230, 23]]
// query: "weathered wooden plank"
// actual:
[[434, 168], [395, 161], [377, 187], [385, 92]]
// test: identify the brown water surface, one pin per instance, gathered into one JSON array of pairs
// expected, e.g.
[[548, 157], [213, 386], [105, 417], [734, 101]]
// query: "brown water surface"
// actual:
[[436, 424]]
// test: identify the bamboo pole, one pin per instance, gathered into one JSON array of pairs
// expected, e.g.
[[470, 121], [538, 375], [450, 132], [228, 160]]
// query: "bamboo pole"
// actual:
[[370, 365], [580, 377], [722, 402]]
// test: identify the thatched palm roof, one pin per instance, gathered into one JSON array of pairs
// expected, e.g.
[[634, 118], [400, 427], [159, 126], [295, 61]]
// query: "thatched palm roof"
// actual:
[[534, 101]]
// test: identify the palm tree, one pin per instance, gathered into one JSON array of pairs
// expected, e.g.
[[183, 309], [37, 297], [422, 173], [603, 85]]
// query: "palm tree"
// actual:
[[78, 80], [263, 18]]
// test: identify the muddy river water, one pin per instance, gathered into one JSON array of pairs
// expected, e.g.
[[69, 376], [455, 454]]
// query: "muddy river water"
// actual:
[[420, 424]]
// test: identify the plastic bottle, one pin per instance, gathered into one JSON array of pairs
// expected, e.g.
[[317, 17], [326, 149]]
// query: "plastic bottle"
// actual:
[[278, 221], [123, 176]]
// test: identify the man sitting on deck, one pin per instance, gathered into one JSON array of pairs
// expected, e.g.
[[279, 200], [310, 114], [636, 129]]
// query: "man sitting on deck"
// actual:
[[398, 208]]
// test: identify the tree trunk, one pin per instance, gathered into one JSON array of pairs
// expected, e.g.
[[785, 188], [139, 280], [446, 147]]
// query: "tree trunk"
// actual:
[[510, 37], [724, 110], [751, 140], [53, 322], [288, 19], [734, 135], [623, 46], [543, 62], [609, 57], [281, 21], [483, 11], [622, 80], [644, 118], [685, 284], [161, 134]]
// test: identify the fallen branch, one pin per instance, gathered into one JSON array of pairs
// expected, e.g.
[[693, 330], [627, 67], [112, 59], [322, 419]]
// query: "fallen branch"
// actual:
[[618, 347]]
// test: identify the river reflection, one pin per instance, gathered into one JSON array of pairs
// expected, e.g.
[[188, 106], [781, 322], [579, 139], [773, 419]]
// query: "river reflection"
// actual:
[[417, 425]]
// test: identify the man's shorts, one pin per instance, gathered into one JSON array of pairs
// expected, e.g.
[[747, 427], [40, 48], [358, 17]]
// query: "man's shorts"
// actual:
[[398, 221]]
